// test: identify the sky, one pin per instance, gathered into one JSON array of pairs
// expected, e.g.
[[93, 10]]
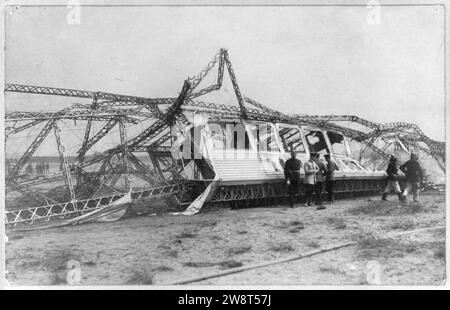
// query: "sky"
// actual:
[[296, 59]]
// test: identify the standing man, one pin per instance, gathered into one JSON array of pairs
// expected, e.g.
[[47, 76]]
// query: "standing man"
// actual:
[[292, 175], [392, 180], [38, 168], [319, 181], [311, 169], [329, 177], [414, 176]]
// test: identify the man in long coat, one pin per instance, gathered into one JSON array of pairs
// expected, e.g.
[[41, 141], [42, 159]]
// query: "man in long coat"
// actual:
[[309, 182], [292, 174], [392, 179], [320, 178], [414, 175], [329, 177]]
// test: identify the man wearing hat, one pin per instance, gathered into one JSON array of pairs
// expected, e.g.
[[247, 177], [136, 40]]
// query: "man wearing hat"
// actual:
[[329, 178], [311, 170], [414, 175], [320, 178], [292, 174], [392, 179]]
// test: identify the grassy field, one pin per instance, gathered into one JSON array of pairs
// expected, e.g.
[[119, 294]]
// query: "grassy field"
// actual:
[[157, 250]]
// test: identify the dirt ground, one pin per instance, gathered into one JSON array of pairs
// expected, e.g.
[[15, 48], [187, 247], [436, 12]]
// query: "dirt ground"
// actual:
[[167, 248]]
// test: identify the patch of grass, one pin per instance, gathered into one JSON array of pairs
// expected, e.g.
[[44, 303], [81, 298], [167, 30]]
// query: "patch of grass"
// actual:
[[383, 208], [167, 251], [224, 264], [162, 269], [242, 232], [439, 253], [140, 275], [375, 208], [337, 222], [313, 244], [371, 247], [215, 237], [238, 250], [331, 269], [15, 237], [230, 264], [297, 225], [171, 253], [58, 261], [186, 234], [26, 260], [414, 208], [400, 224], [199, 264], [283, 247], [208, 224], [57, 279]]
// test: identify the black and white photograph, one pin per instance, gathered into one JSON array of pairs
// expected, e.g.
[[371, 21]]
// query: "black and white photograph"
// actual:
[[224, 144]]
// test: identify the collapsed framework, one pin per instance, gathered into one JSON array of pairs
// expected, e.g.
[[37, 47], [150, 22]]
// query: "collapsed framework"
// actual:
[[93, 183]]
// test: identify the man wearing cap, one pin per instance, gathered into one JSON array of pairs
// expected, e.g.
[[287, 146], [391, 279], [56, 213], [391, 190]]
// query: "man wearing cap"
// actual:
[[329, 177], [320, 178], [292, 174], [392, 180], [414, 175]]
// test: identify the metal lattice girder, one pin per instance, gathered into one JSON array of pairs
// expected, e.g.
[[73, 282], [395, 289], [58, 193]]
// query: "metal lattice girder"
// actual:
[[15, 130], [63, 158], [71, 209], [147, 135], [218, 58], [222, 111], [41, 180], [80, 94], [337, 118], [195, 81], [144, 172], [253, 114], [155, 143], [382, 129], [261, 106], [97, 137], [222, 58], [235, 84], [150, 105], [124, 145], [95, 160], [87, 133], [31, 149], [135, 110], [76, 115], [153, 130], [25, 189], [111, 176]]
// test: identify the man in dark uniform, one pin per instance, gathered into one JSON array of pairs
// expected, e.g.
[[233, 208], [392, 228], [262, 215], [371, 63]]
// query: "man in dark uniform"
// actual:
[[319, 180], [292, 174], [392, 179], [414, 175], [329, 177]]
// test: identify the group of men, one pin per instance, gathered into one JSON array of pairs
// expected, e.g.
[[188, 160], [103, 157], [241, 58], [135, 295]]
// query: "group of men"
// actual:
[[42, 168], [316, 174], [413, 177]]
